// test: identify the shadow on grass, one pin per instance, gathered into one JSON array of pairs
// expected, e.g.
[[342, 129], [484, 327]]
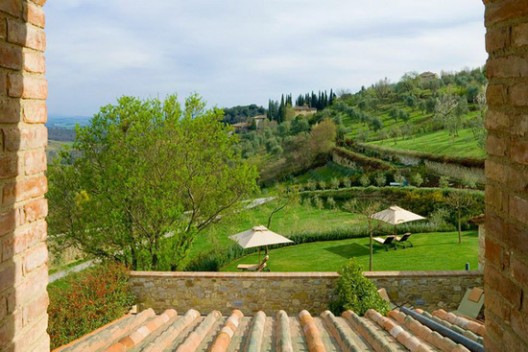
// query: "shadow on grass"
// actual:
[[349, 250]]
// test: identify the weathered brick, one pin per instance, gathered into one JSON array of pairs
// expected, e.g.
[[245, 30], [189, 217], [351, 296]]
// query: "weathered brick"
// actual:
[[496, 145], [518, 269], [505, 10], [519, 151], [498, 282], [22, 239], [35, 281], [496, 95], [495, 226], [495, 171], [34, 62], [28, 188], [10, 275], [519, 94], [493, 253], [507, 67], [497, 39], [35, 161], [8, 165], [7, 331], [28, 87], [7, 221], [496, 198], [12, 7], [25, 34], [498, 121], [519, 209], [28, 137], [34, 14], [519, 324], [35, 258], [517, 180], [36, 308], [10, 56], [519, 36], [9, 110], [35, 111], [495, 303], [519, 126], [36, 209]]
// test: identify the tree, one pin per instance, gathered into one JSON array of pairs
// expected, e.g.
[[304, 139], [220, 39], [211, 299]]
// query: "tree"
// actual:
[[323, 136], [460, 204], [448, 112], [147, 178]]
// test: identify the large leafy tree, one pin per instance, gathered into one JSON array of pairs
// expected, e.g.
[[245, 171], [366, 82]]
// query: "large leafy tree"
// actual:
[[144, 178]]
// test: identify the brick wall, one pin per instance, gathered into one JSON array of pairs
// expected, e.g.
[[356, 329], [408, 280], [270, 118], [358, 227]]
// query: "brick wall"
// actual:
[[23, 138], [291, 292], [506, 270]]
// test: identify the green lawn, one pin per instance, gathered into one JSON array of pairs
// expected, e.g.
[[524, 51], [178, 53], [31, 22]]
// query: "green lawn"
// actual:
[[326, 173], [440, 143], [432, 251], [293, 219]]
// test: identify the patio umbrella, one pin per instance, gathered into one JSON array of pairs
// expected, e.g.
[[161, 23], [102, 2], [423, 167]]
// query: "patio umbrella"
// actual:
[[395, 215], [258, 236]]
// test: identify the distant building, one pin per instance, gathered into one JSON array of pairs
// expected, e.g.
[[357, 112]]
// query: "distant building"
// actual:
[[428, 75], [259, 119], [241, 126], [304, 110]]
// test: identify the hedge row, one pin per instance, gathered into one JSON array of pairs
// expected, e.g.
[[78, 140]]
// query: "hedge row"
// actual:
[[384, 153], [365, 161]]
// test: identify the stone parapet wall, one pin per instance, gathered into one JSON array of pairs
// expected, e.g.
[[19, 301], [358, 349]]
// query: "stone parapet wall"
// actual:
[[291, 292]]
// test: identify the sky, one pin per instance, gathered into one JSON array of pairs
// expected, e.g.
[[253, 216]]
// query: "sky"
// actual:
[[239, 52]]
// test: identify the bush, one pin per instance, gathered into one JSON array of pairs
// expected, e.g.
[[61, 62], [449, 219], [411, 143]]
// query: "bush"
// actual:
[[82, 302], [355, 292], [364, 180], [416, 179]]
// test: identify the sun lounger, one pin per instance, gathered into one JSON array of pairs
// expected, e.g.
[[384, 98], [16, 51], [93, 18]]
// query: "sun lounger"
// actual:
[[471, 303], [403, 240], [385, 242], [254, 267]]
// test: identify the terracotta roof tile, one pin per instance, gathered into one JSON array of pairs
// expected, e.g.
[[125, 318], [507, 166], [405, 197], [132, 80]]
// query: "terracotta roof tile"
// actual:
[[194, 332]]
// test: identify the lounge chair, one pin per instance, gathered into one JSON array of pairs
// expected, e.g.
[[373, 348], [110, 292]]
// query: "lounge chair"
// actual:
[[403, 240], [254, 267], [471, 303], [386, 242]]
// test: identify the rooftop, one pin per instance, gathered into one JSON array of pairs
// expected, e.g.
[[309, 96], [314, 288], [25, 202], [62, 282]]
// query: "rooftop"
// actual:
[[192, 331]]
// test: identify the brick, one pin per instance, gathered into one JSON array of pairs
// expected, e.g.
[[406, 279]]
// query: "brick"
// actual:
[[9, 110], [507, 67], [519, 126], [23, 238], [10, 275], [35, 111], [34, 62], [496, 198], [497, 39], [36, 209], [519, 323], [516, 239], [505, 10], [496, 95], [519, 269], [33, 337], [519, 35], [31, 187], [35, 161], [12, 7], [497, 121], [7, 221], [519, 94], [496, 145], [493, 253], [26, 35], [34, 14], [7, 332], [519, 209], [28, 137], [8, 165], [28, 87], [517, 180], [36, 257], [10, 56], [495, 171], [37, 308], [519, 151]]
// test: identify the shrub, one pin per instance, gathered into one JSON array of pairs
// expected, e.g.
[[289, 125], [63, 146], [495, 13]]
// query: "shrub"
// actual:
[[334, 183], [347, 182], [322, 184], [443, 182], [330, 202], [380, 179], [82, 302], [355, 292], [417, 179], [364, 180], [318, 203]]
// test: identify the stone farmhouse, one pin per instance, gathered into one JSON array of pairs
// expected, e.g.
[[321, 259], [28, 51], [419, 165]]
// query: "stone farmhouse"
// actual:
[[23, 208]]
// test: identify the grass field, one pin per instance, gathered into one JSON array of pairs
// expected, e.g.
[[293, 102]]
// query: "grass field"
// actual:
[[293, 219], [439, 143], [432, 251], [326, 173]]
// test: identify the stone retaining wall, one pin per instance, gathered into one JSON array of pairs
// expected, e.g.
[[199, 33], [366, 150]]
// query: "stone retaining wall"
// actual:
[[292, 292]]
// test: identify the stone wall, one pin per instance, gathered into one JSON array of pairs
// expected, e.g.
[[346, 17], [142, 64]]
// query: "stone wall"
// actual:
[[506, 270], [23, 139], [291, 292]]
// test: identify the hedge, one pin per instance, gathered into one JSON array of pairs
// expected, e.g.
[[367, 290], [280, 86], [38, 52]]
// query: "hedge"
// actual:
[[365, 161]]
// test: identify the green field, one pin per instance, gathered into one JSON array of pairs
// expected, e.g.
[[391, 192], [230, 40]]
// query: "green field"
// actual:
[[293, 219], [440, 143], [432, 251]]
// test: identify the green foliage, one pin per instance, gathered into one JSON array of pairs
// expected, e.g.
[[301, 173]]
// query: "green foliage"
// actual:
[[362, 160], [81, 303], [416, 179], [146, 178], [355, 292], [364, 180]]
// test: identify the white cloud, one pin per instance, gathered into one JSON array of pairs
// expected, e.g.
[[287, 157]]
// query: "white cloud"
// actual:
[[240, 52]]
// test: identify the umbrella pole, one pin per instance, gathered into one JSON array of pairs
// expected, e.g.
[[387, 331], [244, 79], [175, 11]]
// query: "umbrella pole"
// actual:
[[371, 251], [259, 255]]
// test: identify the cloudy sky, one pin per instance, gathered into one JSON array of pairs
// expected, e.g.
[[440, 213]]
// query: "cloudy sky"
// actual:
[[237, 52]]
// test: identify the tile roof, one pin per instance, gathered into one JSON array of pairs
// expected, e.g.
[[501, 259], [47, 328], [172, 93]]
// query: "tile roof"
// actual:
[[192, 331]]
